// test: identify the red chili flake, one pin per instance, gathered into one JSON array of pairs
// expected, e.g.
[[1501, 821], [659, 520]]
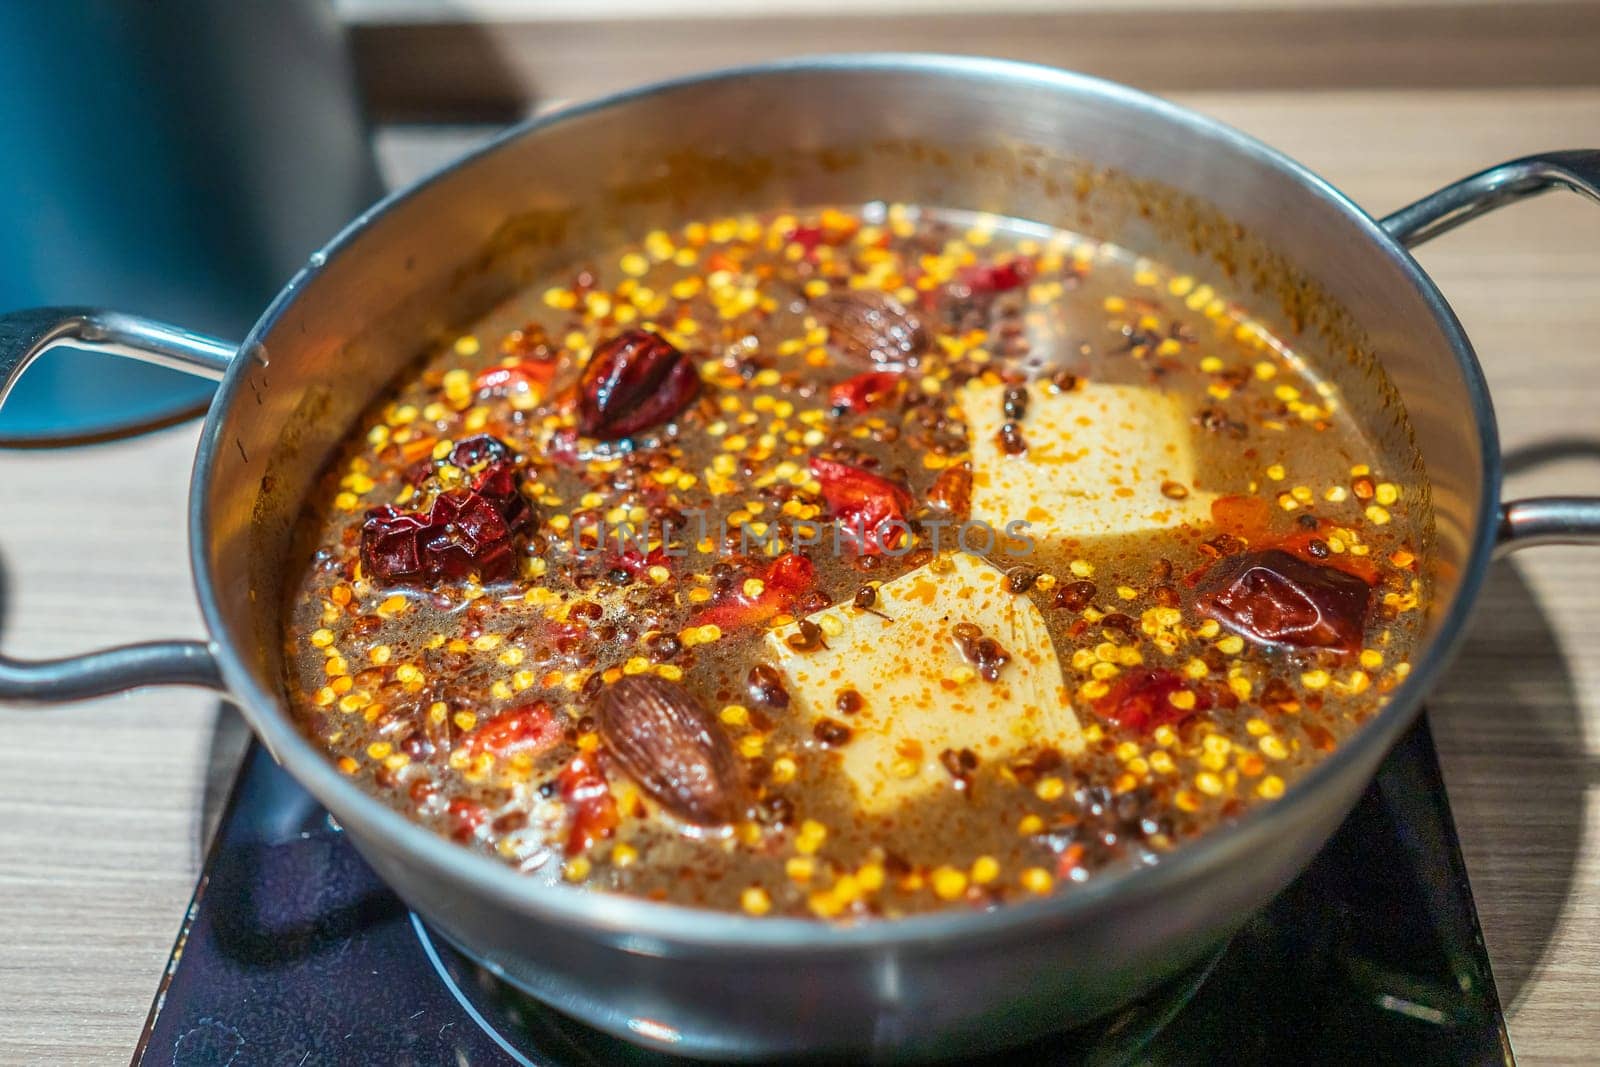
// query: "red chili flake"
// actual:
[[1276, 696], [1071, 859], [872, 509], [997, 277], [1141, 700], [833, 229], [1249, 519], [563, 446], [807, 237], [1276, 598], [525, 375], [462, 533], [785, 579], [422, 790], [1075, 596], [634, 381], [530, 728], [589, 801], [863, 392], [951, 492], [1320, 736], [831, 733], [1312, 546], [467, 815], [637, 563]]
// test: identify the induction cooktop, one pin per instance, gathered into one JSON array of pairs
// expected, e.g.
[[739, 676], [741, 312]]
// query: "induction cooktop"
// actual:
[[293, 952]]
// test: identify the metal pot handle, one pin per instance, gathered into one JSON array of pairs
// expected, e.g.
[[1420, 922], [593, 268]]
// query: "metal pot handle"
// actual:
[[1558, 520], [24, 336]]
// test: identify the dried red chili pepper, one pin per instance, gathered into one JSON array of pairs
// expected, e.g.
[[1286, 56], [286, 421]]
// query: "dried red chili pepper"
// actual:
[[634, 381], [1141, 700], [872, 509], [462, 533], [1276, 598], [494, 477], [592, 808], [530, 728], [782, 583], [863, 392]]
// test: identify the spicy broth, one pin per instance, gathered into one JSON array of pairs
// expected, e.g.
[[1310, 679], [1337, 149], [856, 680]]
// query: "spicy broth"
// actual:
[[467, 684]]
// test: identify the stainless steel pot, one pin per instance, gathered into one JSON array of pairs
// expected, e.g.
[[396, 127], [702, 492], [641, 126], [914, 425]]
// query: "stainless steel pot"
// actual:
[[968, 133]]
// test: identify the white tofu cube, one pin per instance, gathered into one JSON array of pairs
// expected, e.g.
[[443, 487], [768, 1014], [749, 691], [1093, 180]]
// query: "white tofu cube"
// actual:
[[1096, 461], [920, 695]]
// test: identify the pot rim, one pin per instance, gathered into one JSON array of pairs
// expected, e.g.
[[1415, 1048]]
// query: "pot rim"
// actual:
[[653, 927]]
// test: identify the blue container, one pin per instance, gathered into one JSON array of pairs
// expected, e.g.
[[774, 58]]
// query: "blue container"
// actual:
[[174, 158]]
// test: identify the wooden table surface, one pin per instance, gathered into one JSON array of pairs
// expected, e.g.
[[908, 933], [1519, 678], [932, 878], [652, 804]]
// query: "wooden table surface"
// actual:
[[103, 805]]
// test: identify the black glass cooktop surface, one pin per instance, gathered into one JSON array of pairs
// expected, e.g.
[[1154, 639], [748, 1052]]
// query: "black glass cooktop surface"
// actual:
[[293, 952]]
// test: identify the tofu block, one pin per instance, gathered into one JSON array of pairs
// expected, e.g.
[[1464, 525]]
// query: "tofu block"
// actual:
[[920, 695], [1096, 460]]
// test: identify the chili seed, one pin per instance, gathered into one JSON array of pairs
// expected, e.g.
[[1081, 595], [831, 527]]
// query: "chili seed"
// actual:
[[766, 686], [1021, 579], [1010, 440], [1075, 596], [831, 733], [808, 637]]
